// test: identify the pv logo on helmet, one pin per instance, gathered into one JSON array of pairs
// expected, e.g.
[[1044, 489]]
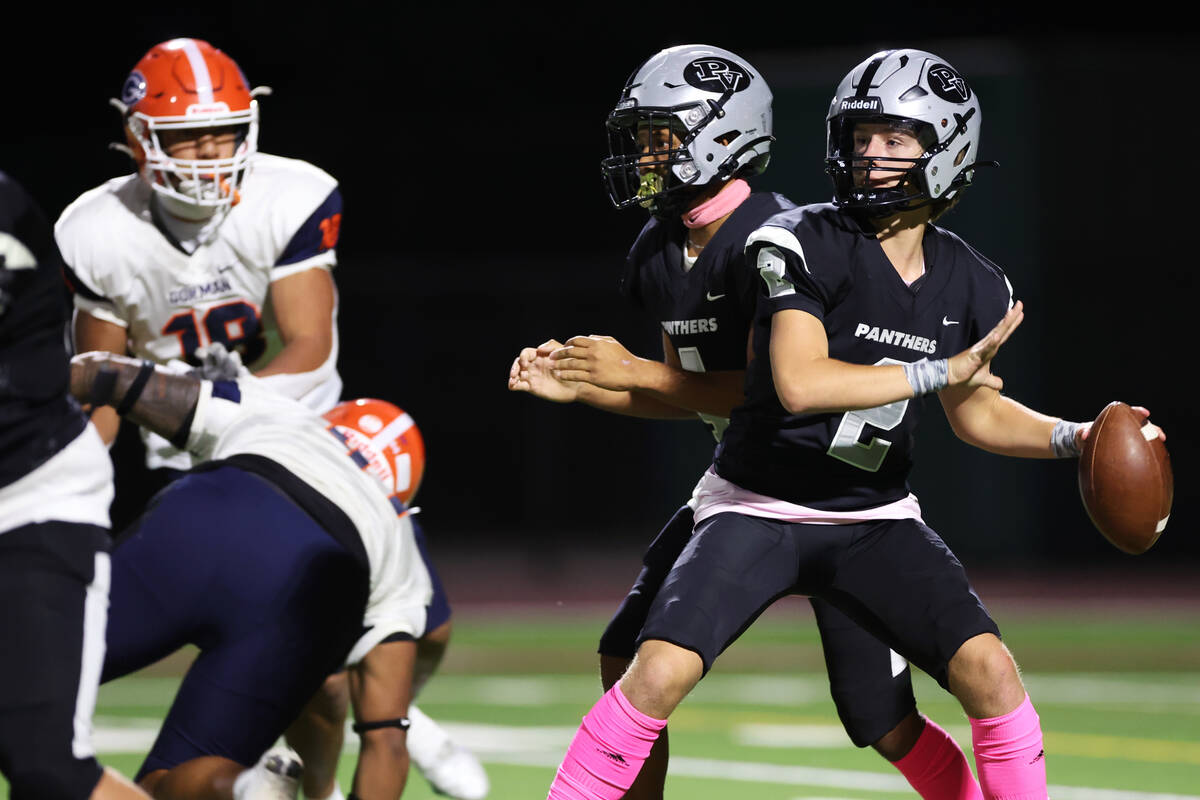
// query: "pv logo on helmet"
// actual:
[[948, 84], [714, 74]]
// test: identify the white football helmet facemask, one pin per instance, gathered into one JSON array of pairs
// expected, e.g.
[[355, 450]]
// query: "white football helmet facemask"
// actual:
[[717, 109]]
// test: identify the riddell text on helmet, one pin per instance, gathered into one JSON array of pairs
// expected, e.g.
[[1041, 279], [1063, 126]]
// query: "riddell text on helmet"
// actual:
[[872, 104]]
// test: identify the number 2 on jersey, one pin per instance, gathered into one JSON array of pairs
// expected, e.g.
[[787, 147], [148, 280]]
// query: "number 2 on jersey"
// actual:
[[869, 456], [235, 325]]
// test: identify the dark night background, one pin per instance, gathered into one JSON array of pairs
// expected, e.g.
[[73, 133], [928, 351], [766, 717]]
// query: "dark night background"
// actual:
[[467, 147]]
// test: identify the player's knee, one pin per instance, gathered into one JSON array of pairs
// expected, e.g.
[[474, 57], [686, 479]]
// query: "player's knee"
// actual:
[[388, 743], [660, 677], [983, 659], [984, 677], [332, 699]]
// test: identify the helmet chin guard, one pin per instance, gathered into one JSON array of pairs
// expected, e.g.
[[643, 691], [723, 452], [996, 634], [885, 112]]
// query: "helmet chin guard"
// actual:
[[717, 110], [918, 92]]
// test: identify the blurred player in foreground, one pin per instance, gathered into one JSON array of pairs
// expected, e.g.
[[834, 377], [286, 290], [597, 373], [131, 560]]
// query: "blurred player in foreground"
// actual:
[[212, 241], [55, 489], [865, 305], [282, 556], [688, 270]]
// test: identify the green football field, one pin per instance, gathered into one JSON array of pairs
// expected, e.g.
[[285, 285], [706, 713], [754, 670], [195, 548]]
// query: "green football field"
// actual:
[[1118, 695]]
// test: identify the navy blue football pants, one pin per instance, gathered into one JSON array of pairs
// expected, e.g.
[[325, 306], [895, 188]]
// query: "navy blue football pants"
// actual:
[[436, 613], [228, 562]]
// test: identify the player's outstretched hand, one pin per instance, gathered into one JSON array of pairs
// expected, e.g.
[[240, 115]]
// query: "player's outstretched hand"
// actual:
[[532, 371], [970, 367], [599, 360]]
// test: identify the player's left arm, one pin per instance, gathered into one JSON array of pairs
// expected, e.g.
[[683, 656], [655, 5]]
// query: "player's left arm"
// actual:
[[983, 417], [380, 691], [986, 418], [604, 362], [303, 303]]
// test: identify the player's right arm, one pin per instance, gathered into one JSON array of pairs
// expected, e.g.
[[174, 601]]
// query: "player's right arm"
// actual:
[[92, 334], [799, 290], [534, 371], [163, 401], [603, 363]]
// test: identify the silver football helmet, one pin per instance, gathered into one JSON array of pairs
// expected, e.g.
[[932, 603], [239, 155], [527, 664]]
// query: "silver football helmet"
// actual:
[[916, 91], [717, 110]]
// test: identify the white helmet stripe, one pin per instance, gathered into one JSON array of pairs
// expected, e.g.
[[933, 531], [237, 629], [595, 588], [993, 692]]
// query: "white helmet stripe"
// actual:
[[204, 93], [391, 431]]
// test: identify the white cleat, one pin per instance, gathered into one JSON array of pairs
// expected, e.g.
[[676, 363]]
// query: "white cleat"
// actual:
[[451, 769], [276, 776]]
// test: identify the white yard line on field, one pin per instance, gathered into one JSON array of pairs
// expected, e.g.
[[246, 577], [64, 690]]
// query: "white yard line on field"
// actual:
[[543, 747]]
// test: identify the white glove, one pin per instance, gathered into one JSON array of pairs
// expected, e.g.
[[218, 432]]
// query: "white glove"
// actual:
[[218, 364]]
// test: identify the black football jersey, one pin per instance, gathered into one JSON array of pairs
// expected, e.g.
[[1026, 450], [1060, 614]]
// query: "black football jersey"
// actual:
[[706, 311], [37, 418], [822, 261]]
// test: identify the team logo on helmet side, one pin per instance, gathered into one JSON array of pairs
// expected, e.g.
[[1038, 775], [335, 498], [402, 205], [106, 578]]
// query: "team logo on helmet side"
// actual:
[[948, 84], [716, 74], [134, 88]]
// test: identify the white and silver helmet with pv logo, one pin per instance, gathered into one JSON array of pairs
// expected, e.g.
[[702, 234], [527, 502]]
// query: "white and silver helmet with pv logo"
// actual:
[[718, 109], [916, 91]]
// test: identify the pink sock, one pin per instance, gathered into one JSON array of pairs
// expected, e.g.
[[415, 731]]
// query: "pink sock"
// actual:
[[937, 768], [1009, 755], [607, 752]]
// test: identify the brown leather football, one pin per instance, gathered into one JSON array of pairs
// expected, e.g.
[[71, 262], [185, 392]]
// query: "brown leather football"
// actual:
[[1125, 479]]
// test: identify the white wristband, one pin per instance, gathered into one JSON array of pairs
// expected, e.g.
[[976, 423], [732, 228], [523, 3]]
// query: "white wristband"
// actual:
[[1062, 439], [927, 376]]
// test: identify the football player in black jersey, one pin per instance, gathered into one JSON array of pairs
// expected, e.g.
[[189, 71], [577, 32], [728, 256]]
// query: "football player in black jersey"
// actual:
[[55, 490], [866, 304], [687, 270]]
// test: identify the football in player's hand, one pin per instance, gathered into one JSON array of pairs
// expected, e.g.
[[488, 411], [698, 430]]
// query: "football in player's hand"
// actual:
[[1125, 479]]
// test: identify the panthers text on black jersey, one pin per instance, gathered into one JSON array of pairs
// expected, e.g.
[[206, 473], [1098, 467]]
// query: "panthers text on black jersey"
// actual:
[[821, 261], [706, 312], [37, 418]]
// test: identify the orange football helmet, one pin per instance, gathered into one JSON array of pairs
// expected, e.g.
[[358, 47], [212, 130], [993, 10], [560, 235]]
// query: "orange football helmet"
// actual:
[[187, 84], [384, 440]]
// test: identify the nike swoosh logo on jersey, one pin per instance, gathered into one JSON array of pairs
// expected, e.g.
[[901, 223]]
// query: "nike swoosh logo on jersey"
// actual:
[[947, 321], [712, 296], [225, 268]]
